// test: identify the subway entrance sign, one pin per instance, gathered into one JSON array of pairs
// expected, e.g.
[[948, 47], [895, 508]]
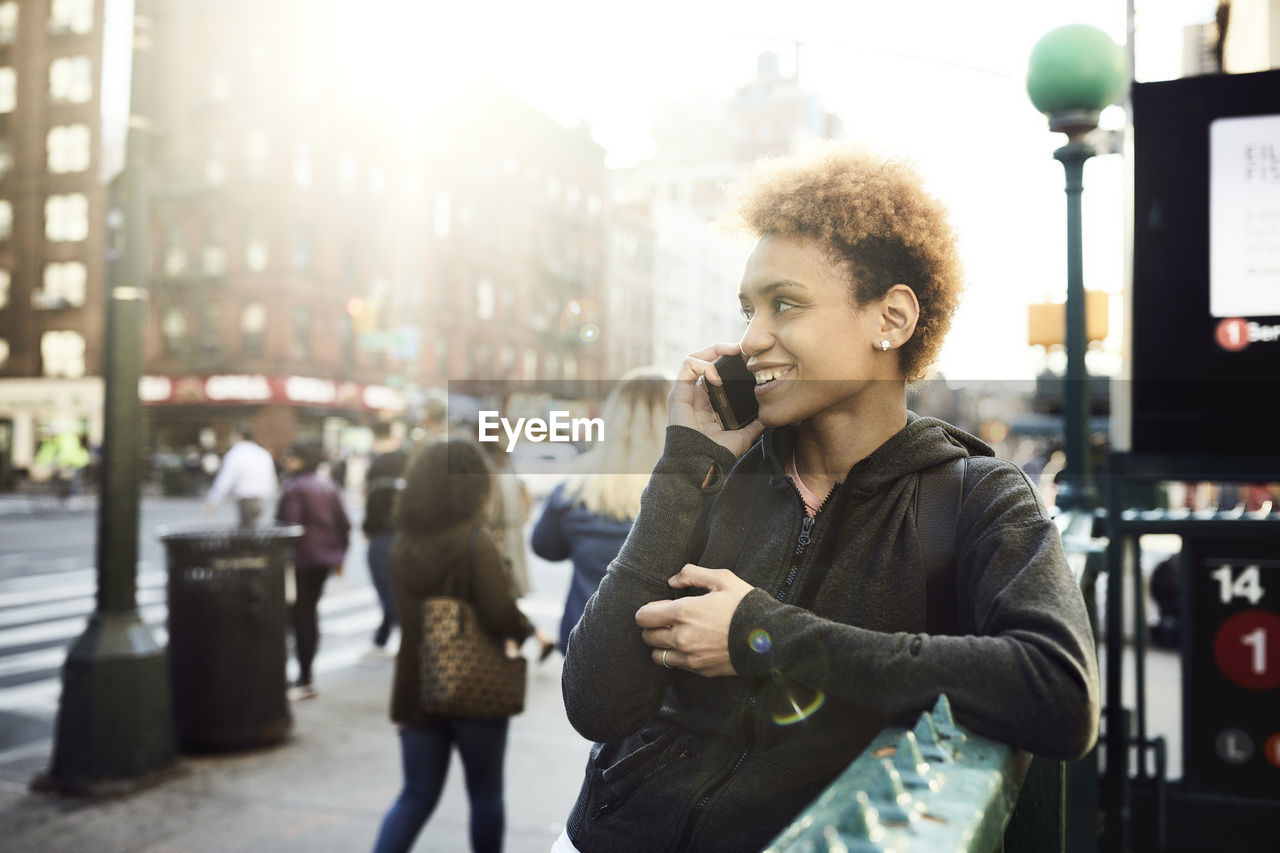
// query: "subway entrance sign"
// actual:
[[1231, 664], [1206, 265]]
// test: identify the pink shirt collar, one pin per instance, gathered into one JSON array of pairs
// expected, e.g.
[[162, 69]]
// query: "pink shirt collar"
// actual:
[[811, 501]]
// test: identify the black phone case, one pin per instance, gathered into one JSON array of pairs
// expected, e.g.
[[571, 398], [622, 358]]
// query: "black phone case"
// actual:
[[735, 401]]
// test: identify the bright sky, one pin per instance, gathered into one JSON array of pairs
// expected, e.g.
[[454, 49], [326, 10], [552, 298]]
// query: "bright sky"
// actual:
[[937, 80]]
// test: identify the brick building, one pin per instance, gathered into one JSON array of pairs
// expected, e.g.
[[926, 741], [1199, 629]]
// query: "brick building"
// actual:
[[319, 256]]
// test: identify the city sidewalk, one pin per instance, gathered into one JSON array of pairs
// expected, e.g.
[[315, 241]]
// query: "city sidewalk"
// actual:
[[325, 788]]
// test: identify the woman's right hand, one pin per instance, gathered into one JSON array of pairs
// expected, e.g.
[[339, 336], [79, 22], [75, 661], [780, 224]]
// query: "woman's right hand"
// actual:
[[689, 405]]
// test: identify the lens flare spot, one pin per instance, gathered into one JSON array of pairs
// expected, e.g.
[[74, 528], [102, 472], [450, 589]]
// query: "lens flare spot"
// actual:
[[799, 711], [760, 641], [589, 332]]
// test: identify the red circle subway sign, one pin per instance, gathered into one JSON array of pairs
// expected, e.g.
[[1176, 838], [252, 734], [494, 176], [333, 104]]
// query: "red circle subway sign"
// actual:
[[1232, 334], [1247, 649]]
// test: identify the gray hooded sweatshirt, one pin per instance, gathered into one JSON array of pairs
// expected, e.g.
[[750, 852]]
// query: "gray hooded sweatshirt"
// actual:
[[840, 637]]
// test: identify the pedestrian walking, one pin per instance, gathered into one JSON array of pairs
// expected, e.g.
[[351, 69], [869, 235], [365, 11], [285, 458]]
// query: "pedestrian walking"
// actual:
[[64, 455], [443, 548], [248, 475], [791, 587], [586, 518], [315, 502], [383, 482]]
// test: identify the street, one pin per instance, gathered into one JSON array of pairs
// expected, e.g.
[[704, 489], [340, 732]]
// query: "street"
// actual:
[[48, 581], [47, 587]]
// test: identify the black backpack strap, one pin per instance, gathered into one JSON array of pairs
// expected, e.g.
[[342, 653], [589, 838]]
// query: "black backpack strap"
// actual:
[[939, 496]]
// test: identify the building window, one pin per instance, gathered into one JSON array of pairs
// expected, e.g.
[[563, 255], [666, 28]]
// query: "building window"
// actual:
[[8, 90], [253, 328], [64, 285], [66, 217], [486, 299], [5, 277], [301, 333], [530, 367], [71, 80], [257, 154], [175, 260], [173, 328], [71, 16], [4, 352], [6, 219], [257, 254], [8, 22], [215, 166], [214, 260], [68, 148], [6, 157], [62, 354]]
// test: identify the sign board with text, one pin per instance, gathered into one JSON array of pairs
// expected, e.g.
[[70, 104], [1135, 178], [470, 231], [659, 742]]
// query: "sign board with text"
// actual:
[[1205, 301], [1231, 684]]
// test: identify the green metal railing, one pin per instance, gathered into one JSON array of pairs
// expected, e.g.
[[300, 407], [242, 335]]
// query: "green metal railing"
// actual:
[[934, 787]]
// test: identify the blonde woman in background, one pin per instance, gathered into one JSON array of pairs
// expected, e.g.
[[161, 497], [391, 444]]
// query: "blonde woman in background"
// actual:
[[587, 517]]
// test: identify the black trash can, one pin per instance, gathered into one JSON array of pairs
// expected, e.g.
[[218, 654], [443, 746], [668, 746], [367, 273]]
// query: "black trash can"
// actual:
[[227, 651]]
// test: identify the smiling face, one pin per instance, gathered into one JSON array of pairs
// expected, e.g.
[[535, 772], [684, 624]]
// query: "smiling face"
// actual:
[[811, 349]]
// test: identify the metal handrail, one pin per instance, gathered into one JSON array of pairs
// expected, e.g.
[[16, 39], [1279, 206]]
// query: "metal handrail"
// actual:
[[936, 786]]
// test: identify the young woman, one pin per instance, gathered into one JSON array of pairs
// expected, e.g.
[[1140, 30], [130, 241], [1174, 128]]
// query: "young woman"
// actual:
[[316, 503], [587, 517], [771, 611], [442, 548]]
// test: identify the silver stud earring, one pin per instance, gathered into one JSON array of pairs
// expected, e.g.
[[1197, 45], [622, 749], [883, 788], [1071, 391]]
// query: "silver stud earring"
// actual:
[[884, 345]]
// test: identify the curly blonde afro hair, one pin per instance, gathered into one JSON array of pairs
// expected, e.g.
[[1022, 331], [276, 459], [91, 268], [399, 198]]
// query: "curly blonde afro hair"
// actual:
[[877, 221]]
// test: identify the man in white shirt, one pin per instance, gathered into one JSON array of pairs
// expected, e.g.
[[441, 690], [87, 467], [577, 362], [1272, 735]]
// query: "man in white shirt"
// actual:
[[248, 474]]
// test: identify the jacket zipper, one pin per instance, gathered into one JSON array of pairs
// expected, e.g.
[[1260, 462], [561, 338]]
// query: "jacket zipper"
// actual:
[[750, 718], [605, 808], [801, 544], [706, 797]]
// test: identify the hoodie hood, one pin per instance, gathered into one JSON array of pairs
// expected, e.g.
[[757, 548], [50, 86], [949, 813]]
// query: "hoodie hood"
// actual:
[[922, 443]]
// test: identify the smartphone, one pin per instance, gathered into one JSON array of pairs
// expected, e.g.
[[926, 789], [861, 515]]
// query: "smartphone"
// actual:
[[735, 401]]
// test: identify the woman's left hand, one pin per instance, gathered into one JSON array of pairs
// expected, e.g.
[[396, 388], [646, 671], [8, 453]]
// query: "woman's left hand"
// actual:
[[692, 633]]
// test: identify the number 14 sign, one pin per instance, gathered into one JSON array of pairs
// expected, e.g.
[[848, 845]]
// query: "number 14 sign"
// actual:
[[1247, 644], [1231, 689]]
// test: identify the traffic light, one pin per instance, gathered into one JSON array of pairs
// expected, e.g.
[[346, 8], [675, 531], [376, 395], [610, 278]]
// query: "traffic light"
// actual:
[[364, 315]]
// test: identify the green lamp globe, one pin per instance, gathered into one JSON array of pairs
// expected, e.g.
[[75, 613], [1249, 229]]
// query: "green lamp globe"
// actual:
[[1074, 72]]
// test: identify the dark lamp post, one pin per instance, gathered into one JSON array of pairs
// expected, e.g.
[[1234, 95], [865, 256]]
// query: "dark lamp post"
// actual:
[[1074, 72]]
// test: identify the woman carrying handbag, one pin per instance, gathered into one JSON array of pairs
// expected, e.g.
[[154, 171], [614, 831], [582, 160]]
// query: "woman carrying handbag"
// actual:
[[445, 567]]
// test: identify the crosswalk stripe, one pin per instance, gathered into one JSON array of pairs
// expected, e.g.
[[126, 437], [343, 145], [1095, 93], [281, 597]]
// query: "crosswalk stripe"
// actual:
[[80, 605], [53, 592], [348, 617]]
